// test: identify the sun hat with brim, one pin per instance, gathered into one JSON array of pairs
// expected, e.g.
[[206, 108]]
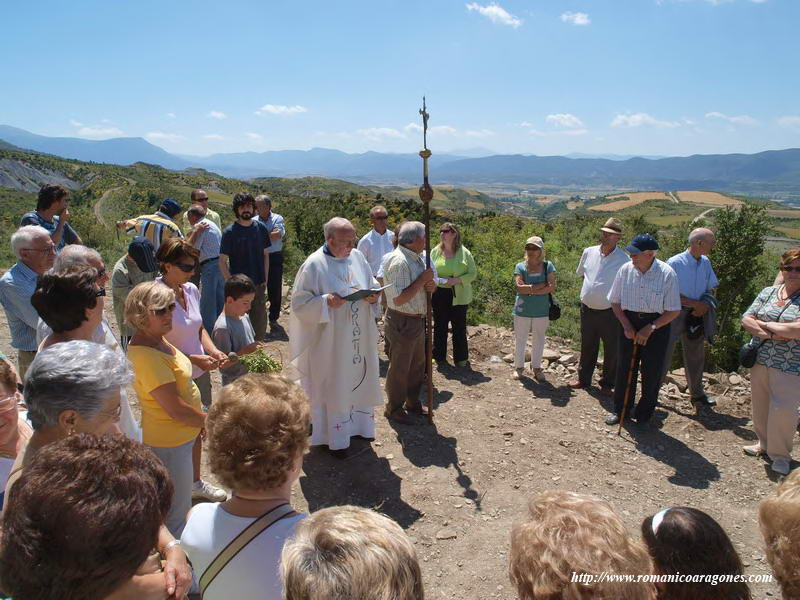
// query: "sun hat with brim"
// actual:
[[612, 226], [641, 243], [143, 253], [534, 241]]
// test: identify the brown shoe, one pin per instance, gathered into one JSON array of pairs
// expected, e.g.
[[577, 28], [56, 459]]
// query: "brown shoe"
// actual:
[[400, 417], [576, 385]]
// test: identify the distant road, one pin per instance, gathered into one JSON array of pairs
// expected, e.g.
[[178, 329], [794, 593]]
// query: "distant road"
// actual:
[[98, 206], [674, 199]]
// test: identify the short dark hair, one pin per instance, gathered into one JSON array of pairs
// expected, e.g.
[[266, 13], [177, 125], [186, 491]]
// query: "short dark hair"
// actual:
[[174, 250], [690, 542], [240, 200], [63, 298], [50, 193], [82, 518], [238, 286]]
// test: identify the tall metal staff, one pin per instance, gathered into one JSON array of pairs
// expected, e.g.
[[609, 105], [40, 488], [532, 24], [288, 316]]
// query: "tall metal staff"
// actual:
[[426, 195]]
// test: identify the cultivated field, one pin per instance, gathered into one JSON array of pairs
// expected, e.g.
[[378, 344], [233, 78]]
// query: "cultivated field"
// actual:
[[632, 199], [709, 198], [784, 214]]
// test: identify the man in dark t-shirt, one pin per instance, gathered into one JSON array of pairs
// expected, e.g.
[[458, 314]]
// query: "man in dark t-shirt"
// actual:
[[245, 249], [52, 214]]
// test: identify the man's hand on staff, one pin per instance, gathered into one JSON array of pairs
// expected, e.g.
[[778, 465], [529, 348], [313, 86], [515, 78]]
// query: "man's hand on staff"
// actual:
[[425, 192], [629, 332], [643, 335], [335, 300], [372, 298]]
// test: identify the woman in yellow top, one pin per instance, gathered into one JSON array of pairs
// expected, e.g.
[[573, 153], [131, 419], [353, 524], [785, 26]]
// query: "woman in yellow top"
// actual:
[[172, 416], [456, 272]]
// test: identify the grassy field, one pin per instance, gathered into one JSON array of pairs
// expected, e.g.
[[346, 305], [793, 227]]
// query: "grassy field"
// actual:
[[623, 201], [784, 214], [791, 232], [667, 220], [707, 198]]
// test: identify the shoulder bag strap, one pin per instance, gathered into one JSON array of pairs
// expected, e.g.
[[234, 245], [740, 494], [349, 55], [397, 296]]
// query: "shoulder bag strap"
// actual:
[[544, 272], [780, 314], [247, 535]]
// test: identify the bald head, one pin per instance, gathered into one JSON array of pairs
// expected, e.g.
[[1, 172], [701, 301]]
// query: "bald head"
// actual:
[[199, 197], [701, 241], [340, 236]]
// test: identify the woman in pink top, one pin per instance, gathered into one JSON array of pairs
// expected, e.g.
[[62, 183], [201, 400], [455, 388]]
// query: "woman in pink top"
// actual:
[[178, 261]]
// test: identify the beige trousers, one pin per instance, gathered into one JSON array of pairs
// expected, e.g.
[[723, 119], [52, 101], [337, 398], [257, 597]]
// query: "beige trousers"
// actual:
[[774, 403]]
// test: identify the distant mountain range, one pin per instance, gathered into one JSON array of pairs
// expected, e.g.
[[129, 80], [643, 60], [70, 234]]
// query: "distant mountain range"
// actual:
[[775, 173]]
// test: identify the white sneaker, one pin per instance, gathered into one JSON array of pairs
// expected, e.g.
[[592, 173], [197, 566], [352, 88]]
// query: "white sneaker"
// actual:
[[205, 491], [781, 465], [516, 374], [754, 450]]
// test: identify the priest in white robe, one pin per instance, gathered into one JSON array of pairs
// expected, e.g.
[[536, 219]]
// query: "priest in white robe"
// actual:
[[333, 342]]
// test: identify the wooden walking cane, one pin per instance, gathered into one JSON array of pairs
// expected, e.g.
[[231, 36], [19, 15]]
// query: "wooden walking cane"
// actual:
[[628, 387], [426, 219]]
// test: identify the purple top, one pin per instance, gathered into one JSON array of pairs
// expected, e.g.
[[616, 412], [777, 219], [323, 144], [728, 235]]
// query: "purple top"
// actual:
[[186, 324]]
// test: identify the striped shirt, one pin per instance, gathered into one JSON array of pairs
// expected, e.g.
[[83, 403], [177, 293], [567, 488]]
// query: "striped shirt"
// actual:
[[156, 228], [401, 269], [16, 288], [655, 291]]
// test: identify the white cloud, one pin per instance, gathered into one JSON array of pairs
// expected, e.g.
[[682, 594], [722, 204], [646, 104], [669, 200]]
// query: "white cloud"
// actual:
[[213, 136], [75, 123], [256, 137], [495, 13], [444, 130], [380, 133], [283, 110], [537, 133], [576, 18], [413, 127], [737, 120], [479, 133], [565, 120], [170, 115], [641, 120], [526, 124], [160, 136], [790, 122], [573, 132], [100, 132], [217, 114]]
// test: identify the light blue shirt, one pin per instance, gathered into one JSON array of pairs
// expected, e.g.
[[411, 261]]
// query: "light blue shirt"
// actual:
[[695, 277], [275, 221], [16, 288], [209, 241]]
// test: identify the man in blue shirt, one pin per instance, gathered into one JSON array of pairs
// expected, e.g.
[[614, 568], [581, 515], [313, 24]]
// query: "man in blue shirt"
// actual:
[[36, 253], [277, 229], [52, 214], [245, 249], [696, 279]]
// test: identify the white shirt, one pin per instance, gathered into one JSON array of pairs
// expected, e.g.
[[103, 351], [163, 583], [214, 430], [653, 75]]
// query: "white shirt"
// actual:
[[253, 573], [375, 246], [598, 274], [655, 291]]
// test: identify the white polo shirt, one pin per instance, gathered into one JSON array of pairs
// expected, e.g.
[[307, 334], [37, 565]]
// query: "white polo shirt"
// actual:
[[598, 274], [375, 246], [655, 291]]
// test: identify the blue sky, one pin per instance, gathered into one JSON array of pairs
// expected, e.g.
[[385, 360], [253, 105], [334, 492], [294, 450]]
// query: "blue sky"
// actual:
[[541, 77]]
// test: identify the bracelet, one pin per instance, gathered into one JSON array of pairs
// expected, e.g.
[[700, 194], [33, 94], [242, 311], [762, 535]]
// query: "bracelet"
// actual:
[[170, 544]]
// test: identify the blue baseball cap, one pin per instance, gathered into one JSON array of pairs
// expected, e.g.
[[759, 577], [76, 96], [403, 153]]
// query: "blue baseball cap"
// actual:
[[170, 208], [642, 242]]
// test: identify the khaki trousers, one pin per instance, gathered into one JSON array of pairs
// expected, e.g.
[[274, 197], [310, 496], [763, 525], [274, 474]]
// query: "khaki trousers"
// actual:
[[774, 402], [406, 337]]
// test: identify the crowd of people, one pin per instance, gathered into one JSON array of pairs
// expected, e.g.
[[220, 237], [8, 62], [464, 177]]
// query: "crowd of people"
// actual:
[[102, 503]]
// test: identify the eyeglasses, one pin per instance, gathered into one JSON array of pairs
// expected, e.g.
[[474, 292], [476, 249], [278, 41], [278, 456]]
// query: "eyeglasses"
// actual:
[[49, 250], [160, 312], [790, 269], [186, 268], [114, 414], [446, 231], [100, 292]]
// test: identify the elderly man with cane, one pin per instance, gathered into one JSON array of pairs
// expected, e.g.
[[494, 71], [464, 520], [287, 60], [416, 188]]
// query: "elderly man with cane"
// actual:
[[645, 299]]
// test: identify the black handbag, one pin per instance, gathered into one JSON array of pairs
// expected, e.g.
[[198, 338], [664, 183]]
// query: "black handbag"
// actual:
[[748, 353], [555, 308]]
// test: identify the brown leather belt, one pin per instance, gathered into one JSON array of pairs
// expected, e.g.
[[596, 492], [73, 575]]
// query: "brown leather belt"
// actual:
[[404, 314]]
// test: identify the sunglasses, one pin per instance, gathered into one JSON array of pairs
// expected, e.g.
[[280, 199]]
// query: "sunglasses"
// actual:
[[100, 292], [446, 231], [186, 268], [790, 269], [160, 312]]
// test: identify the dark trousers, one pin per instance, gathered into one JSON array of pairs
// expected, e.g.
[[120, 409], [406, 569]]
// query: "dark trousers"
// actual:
[[406, 360], [275, 284], [597, 325], [258, 312], [650, 362], [444, 313]]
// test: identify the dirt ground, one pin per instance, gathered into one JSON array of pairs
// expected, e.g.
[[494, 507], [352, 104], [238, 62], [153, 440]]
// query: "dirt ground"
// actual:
[[457, 486]]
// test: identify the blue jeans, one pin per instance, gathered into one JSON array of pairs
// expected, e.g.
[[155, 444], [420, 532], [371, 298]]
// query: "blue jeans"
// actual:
[[212, 294]]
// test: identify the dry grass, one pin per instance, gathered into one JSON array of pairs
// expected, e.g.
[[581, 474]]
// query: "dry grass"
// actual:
[[708, 198], [784, 214], [633, 198], [791, 232]]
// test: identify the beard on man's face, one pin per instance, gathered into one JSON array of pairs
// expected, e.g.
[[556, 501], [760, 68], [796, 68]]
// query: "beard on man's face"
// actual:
[[246, 214]]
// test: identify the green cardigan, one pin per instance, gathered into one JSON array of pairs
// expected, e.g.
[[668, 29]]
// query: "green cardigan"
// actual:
[[462, 266]]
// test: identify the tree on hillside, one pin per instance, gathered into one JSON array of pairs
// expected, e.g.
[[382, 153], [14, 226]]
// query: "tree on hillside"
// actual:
[[740, 242]]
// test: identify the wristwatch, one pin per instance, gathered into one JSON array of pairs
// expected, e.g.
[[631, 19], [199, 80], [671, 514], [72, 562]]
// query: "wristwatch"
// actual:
[[653, 326]]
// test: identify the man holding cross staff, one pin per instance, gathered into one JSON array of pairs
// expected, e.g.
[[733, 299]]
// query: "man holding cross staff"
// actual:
[[645, 299]]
